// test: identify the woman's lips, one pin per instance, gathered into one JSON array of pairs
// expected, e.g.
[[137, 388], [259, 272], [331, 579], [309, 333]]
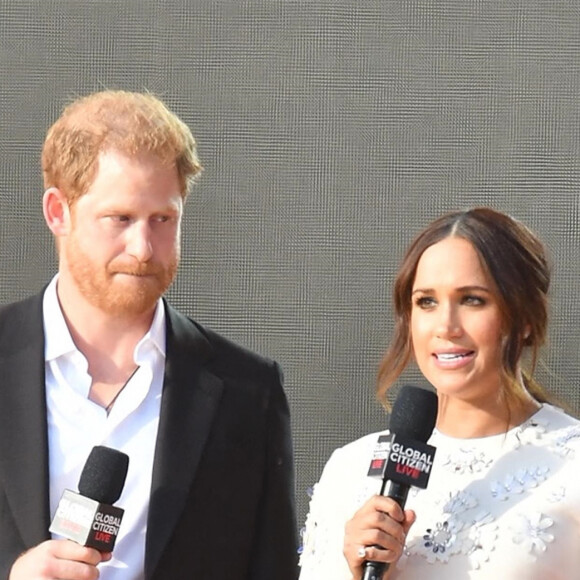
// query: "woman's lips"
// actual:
[[453, 359]]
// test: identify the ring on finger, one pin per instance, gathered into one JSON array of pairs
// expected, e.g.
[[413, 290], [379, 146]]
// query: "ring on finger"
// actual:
[[362, 552]]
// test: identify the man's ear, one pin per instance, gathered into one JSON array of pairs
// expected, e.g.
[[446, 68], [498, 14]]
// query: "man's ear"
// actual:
[[56, 212]]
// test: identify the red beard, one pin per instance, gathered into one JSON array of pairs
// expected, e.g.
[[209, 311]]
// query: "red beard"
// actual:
[[119, 288]]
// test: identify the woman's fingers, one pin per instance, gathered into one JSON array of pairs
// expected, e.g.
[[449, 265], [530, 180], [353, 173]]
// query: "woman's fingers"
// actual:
[[376, 532]]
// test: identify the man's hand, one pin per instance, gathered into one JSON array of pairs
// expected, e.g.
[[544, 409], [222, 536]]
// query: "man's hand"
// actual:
[[58, 560]]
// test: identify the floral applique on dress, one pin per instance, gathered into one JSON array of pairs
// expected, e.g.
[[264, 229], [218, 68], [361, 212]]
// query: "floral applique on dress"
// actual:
[[532, 531]]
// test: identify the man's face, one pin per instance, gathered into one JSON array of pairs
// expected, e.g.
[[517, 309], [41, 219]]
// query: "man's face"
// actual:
[[123, 247]]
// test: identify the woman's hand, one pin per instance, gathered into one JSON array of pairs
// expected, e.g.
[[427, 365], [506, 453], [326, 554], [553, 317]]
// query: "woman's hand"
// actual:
[[377, 532]]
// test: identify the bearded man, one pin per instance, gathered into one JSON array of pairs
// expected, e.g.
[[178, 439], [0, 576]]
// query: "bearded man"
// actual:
[[100, 358]]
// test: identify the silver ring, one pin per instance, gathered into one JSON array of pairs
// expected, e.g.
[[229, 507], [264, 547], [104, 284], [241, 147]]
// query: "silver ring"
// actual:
[[362, 552]]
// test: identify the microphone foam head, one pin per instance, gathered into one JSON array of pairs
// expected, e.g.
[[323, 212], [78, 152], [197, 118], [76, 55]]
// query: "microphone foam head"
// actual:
[[104, 474], [414, 413]]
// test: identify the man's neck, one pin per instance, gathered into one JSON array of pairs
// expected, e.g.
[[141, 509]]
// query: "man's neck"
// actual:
[[107, 340]]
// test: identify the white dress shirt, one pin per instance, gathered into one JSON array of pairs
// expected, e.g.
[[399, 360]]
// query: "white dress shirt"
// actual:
[[76, 424]]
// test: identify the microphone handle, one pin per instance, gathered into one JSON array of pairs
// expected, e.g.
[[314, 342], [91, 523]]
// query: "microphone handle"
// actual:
[[398, 492], [374, 570]]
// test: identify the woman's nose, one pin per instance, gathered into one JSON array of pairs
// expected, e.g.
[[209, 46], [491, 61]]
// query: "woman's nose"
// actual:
[[449, 322]]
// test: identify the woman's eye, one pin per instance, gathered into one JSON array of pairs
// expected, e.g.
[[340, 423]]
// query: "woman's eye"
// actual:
[[425, 302], [473, 300]]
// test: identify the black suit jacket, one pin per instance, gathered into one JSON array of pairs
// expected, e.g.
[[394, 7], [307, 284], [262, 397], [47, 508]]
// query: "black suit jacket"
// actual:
[[222, 496]]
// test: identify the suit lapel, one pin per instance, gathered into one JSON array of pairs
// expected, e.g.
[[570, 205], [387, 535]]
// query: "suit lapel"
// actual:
[[191, 394], [23, 429]]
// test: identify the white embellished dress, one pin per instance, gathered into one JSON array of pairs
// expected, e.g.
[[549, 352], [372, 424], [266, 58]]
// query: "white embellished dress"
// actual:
[[504, 507]]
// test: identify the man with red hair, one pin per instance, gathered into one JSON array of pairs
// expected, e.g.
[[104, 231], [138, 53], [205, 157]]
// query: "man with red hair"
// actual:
[[100, 358]]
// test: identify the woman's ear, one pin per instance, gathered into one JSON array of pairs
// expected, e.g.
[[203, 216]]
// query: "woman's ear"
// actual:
[[56, 211]]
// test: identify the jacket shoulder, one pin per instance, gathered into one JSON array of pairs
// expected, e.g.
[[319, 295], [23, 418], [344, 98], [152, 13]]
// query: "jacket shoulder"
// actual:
[[20, 323], [224, 355]]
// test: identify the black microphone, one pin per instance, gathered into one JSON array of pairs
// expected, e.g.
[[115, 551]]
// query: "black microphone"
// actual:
[[89, 517], [403, 458]]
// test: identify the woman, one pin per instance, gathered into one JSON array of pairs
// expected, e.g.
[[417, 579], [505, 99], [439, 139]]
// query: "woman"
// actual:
[[503, 500]]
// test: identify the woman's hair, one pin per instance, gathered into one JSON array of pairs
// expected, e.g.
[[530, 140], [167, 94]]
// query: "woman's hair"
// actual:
[[125, 122], [515, 260]]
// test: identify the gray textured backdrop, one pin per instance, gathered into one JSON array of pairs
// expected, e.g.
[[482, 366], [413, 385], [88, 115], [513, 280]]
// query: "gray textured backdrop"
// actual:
[[331, 131]]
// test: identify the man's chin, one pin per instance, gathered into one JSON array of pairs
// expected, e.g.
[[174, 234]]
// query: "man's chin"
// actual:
[[131, 295], [129, 305]]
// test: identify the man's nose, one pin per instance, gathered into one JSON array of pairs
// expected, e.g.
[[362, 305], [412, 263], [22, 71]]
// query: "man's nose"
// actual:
[[139, 241]]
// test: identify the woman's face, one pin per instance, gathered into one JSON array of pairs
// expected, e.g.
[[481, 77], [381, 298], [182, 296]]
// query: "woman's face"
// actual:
[[456, 323]]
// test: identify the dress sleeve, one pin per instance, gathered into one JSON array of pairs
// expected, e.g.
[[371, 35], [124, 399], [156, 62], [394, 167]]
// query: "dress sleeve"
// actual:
[[323, 534]]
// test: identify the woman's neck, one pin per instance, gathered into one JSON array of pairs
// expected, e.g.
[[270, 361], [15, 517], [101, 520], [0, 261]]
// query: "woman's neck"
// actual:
[[466, 420]]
